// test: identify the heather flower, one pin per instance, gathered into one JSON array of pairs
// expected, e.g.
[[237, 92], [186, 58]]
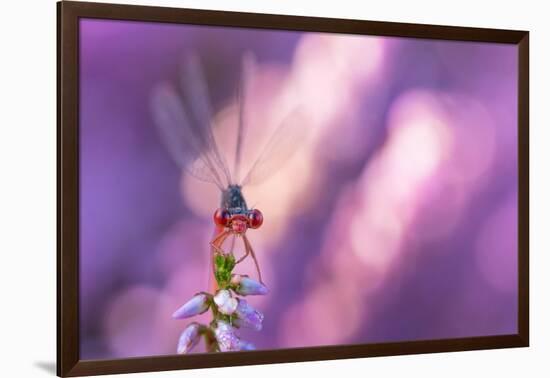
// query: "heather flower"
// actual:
[[226, 304], [227, 337], [195, 306], [229, 312], [228, 340], [245, 285], [248, 316], [189, 338]]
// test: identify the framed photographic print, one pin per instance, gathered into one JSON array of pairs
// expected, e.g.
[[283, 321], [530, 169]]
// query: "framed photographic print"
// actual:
[[239, 188]]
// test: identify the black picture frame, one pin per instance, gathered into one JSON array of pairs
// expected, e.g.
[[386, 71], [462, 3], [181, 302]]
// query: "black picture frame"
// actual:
[[68, 14]]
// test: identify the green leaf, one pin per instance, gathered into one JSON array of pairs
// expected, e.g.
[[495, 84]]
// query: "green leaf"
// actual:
[[219, 261], [230, 262], [224, 265]]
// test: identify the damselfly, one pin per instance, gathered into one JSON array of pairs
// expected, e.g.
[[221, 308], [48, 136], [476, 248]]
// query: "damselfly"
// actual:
[[184, 117]]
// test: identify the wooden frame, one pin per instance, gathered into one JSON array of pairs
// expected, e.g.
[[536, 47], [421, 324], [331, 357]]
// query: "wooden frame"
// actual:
[[68, 362]]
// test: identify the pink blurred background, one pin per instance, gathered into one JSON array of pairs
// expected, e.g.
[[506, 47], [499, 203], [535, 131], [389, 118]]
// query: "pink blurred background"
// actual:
[[395, 220]]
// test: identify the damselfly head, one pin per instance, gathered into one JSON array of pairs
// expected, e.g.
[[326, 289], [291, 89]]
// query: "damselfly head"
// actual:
[[239, 223]]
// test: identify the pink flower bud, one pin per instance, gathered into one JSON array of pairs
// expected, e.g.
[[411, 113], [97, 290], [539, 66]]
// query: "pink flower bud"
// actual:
[[226, 304], [195, 306], [248, 286], [226, 337], [247, 316], [189, 338]]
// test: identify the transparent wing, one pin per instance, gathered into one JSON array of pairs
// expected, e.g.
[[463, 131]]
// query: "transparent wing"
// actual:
[[194, 87], [247, 75], [280, 148], [189, 137]]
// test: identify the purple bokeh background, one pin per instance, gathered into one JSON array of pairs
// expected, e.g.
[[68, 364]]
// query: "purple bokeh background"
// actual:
[[396, 220]]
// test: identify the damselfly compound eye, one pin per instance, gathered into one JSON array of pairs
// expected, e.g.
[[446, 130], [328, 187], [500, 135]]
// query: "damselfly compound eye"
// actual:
[[221, 217], [255, 218]]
